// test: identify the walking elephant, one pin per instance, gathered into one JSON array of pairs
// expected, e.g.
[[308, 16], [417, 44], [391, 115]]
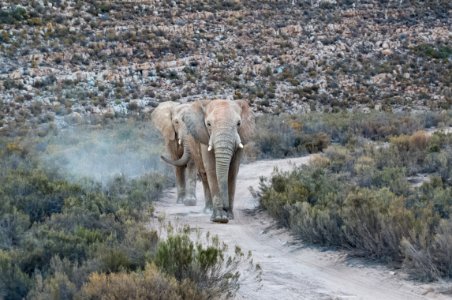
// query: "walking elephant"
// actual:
[[221, 127], [191, 150], [166, 119]]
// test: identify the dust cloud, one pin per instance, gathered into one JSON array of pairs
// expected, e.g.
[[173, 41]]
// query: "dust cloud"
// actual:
[[129, 149]]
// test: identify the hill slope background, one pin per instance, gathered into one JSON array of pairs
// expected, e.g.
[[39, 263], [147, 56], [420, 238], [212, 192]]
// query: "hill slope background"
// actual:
[[63, 59]]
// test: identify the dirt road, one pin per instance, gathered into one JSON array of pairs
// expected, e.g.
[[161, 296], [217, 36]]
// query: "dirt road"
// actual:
[[291, 270]]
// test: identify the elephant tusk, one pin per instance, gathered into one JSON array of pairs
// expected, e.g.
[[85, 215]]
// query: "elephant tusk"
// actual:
[[209, 148], [179, 141], [238, 141]]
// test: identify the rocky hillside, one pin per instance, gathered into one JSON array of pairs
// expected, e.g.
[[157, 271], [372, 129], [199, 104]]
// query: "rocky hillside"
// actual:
[[61, 60]]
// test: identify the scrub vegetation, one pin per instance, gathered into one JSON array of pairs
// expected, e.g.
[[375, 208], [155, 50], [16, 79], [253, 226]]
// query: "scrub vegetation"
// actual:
[[69, 233], [285, 135], [67, 236], [383, 191], [359, 82]]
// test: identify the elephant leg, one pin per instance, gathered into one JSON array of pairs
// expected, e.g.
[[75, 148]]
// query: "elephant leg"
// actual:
[[232, 181], [207, 195], [180, 183], [218, 214], [190, 193], [195, 148]]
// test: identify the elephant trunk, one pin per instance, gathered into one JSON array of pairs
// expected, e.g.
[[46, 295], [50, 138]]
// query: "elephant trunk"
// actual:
[[224, 151], [181, 162]]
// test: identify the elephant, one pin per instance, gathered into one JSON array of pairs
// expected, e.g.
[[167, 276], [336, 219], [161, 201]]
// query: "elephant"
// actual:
[[165, 118], [191, 149], [222, 128]]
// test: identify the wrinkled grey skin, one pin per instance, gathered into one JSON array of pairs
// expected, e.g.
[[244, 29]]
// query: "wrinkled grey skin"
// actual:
[[221, 127], [166, 120], [192, 150]]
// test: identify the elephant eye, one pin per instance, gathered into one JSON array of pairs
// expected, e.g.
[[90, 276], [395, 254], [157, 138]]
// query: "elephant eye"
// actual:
[[176, 121], [239, 123], [209, 124]]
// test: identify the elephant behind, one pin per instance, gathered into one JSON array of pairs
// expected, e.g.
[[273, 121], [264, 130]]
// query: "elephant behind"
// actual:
[[166, 119]]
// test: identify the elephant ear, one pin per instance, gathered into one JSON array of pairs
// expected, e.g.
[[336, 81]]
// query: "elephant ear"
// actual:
[[246, 130], [162, 119], [194, 121]]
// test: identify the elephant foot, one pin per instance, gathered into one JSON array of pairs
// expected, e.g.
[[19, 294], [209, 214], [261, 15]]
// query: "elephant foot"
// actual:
[[209, 207], [230, 214], [180, 199], [219, 216], [190, 201]]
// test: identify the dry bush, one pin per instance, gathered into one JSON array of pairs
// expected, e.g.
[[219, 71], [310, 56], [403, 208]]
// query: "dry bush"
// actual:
[[375, 221], [442, 248], [316, 142], [419, 140], [402, 142], [427, 257], [319, 161], [417, 153], [418, 261], [148, 284], [340, 159]]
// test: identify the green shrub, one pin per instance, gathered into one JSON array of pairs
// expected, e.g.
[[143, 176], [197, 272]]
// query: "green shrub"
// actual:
[[57, 286], [393, 178], [317, 223], [13, 226], [301, 195], [375, 221], [13, 15], [280, 197], [14, 283], [432, 51], [37, 195], [213, 272]]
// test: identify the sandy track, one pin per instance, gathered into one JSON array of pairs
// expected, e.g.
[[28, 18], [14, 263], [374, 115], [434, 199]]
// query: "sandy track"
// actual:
[[289, 269]]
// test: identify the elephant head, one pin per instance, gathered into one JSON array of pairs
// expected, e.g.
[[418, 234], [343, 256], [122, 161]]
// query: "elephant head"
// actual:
[[162, 118], [224, 127], [218, 123], [167, 118]]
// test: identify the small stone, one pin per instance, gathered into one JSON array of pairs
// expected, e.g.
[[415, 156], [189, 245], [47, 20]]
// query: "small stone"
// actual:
[[387, 52], [73, 118]]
